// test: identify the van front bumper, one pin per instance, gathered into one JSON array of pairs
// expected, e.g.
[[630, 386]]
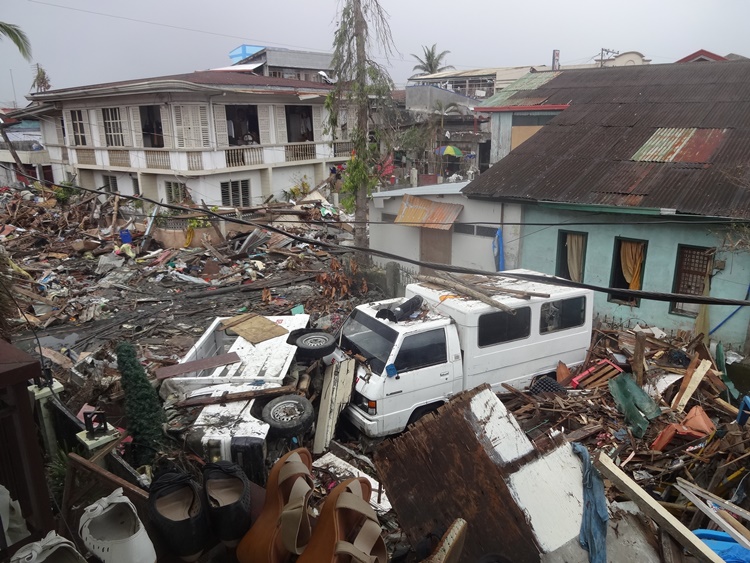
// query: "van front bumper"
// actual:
[[362, 422]]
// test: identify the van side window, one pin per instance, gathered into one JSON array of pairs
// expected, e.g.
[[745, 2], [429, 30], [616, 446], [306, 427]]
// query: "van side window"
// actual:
[[498, 327], [562, 314], [422, 350]]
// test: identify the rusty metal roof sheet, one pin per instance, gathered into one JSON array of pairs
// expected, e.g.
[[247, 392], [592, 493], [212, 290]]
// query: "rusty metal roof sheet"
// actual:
[[671, 136], [418, 211]]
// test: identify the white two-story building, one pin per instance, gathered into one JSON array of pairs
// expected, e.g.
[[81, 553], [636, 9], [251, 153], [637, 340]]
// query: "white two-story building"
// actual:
[[229, 138]]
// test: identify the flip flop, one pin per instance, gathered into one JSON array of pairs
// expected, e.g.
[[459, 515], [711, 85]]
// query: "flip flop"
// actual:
[[348, 530], [283, 527]]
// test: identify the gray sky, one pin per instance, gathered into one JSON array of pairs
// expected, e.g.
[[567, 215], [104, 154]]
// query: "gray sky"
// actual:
[[78, 47]]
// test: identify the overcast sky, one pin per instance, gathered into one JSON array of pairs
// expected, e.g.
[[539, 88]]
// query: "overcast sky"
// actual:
[[83, 42]]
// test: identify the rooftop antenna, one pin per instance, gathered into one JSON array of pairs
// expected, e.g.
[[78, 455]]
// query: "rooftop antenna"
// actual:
[[606, 52]]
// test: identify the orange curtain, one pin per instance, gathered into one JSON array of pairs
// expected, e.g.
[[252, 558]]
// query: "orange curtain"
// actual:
[[631, 258]]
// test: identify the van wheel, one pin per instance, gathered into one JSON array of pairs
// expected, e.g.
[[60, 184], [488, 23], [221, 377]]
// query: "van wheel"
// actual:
[[316, 344], [288, 415]]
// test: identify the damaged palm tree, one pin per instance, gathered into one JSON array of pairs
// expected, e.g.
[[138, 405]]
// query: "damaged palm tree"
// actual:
[[360, 84], [142, 407]]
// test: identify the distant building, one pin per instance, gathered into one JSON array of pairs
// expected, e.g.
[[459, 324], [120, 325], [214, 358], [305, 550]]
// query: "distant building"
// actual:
[[286, 63]]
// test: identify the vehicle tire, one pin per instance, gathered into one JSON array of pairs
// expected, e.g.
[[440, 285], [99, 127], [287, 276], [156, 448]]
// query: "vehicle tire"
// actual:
[[288, 415], [316, 344]]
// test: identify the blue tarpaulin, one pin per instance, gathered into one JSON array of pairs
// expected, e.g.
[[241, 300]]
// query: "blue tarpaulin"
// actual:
[[593, 536], [497, 250]]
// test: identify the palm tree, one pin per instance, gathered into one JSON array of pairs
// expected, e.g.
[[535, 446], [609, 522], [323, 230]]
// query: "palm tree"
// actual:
[[432, 61], [17, 36]]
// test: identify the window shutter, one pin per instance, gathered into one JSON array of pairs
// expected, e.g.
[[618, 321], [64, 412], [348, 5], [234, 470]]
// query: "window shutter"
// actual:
[[264, 124], [102, 134], [203, 138], [225, 197], [317, 123], [281, 136], [68, 130], [135, 117], [179, 127], [245, 192], [166, 126], [220, 124], [87, 128], [127, 132]]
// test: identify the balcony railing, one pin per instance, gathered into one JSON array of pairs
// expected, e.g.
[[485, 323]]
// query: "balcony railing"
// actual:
[[245, 156], [119, 158], [343, 148], [299, 151], [86, 156], [195, 160], [158, 159]]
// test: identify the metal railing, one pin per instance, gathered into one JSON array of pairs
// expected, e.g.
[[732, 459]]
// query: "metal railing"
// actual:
[[195, 160], [119, 158], [343, 148], [158, 159], [299, 151], [245, 156], [86, 156]]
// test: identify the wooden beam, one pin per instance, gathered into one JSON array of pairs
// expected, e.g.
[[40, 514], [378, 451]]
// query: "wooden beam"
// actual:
[[655, 511], [637, 363], [197, 365], [227, 397]]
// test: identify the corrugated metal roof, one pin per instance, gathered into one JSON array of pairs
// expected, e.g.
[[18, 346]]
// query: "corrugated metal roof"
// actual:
[[426, 213], [671, 136], [680, 145]]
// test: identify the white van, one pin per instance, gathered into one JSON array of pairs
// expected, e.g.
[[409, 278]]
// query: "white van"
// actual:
[[448, 343]]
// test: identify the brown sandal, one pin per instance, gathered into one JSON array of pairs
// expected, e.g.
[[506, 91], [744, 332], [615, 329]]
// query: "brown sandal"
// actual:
[[348, 530], [283, 527]]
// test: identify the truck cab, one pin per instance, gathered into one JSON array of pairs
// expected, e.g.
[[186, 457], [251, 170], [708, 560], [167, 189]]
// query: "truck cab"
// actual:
[[415, 360]]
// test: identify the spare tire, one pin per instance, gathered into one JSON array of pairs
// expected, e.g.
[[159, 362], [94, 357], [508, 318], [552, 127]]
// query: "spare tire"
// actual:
[[288, 415], [316, 344]]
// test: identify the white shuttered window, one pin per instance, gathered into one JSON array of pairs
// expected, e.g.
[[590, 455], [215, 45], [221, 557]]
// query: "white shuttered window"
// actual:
[[191, 127]]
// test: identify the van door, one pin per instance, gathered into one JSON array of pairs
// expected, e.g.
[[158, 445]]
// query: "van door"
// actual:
[[423, 375]]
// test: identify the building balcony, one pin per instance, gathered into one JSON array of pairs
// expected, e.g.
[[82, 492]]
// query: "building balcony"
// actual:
[[208, 160]]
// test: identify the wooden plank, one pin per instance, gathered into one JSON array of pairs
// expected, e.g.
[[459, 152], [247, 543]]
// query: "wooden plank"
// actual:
[[716, 518], [652, 508], [583, 433], [690, 388], [637, 363], [599, 376], [227, 397], [670, 549], [336, 394], [197, 365], [215, 253], [439, 470]]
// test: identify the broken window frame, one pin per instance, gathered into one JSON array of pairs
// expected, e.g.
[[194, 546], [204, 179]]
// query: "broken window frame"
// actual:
[[562, 314], [685, 279], [173, 189]]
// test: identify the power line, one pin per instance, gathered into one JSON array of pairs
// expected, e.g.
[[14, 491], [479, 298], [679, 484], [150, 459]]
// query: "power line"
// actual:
[[637, 294]]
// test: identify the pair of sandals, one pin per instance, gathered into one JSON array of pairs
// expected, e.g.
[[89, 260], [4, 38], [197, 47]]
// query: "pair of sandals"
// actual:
[[347, 530]]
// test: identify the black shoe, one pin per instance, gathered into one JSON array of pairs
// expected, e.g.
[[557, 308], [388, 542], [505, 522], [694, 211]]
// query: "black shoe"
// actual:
[[227, 493], [176, 509]]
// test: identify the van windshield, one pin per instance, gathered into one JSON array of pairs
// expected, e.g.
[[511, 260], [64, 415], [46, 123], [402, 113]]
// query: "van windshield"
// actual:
[[370, 338]]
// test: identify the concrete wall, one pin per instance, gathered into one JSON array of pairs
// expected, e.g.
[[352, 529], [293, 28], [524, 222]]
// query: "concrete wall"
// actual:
[[284, 177], [539, 252], [468, 251]]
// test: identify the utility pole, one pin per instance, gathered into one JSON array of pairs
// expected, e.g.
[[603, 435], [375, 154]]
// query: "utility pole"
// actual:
[[606, 52], [13, 85]]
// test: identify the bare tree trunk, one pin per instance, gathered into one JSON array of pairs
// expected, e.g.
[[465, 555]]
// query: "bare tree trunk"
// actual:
[[360, 213]]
